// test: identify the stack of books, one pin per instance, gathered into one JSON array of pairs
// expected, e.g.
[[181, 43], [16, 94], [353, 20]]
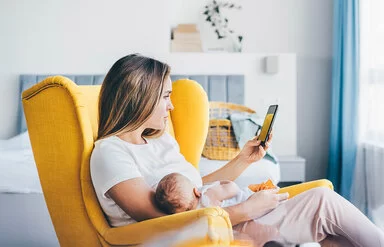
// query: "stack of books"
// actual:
[[186, 38]]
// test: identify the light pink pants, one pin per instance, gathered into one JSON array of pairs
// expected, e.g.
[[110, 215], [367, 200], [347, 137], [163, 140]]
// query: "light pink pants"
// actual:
[[317, 215]]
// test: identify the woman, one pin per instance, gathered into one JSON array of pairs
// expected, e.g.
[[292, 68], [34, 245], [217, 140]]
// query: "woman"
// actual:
[[133, 109]]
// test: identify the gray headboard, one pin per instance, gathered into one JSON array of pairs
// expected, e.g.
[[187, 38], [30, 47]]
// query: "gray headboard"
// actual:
[[225, 88]]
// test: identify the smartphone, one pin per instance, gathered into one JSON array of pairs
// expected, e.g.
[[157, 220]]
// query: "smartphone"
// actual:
[[267, 125]]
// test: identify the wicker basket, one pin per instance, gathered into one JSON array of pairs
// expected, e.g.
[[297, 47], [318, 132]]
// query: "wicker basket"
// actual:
[[221, 142]]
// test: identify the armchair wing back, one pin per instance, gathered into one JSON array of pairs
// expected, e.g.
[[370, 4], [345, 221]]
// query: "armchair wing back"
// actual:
[[62, 125]]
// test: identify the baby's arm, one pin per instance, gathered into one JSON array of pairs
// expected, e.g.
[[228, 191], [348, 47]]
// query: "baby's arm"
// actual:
[[225, 190]]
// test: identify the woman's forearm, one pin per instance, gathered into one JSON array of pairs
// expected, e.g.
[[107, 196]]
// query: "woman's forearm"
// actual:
[[237, 213], [230, 171], [251, 152]]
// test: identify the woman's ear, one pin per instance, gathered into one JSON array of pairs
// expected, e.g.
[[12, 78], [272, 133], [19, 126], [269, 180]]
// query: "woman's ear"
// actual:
[[196, 192]]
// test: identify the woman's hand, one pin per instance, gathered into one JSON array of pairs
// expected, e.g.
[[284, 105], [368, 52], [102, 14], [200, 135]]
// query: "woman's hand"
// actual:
[[253, 151], [263, 202]]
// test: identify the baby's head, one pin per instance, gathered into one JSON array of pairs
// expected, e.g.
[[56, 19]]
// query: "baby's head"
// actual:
[[175, 193]]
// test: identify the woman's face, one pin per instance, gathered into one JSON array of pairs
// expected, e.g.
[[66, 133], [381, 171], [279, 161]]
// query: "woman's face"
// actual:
[[159, 117]]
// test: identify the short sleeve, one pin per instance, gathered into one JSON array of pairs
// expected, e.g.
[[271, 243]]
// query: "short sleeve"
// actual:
[[110, 165]]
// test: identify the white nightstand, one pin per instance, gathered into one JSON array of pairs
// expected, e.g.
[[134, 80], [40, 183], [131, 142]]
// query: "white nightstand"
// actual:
[[292, 168]]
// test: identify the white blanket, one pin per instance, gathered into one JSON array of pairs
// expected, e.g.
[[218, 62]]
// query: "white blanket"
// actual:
[[257, 172], [18, 172]]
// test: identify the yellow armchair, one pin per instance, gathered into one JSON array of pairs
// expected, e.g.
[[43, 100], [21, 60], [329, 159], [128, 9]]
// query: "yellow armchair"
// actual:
[[62, 124]]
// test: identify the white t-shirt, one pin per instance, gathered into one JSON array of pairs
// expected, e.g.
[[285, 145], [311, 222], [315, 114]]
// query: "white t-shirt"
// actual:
[[114, 160]]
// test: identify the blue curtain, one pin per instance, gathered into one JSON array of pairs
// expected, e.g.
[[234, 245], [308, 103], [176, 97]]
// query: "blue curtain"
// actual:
[[345, 86]]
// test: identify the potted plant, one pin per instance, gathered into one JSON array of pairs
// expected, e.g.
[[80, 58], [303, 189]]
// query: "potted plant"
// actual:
[[220, 23]]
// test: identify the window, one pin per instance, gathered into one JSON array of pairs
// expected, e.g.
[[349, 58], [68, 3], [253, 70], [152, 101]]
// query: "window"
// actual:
[[372, 71]]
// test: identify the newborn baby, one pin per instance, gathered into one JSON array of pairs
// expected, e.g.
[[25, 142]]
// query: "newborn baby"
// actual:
[[175, 193]]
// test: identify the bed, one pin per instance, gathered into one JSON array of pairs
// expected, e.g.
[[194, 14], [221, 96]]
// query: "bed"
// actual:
[[24, 218]]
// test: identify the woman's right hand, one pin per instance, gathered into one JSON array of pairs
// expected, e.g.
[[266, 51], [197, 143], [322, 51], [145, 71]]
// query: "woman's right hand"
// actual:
[[263, 202], [253, 150]]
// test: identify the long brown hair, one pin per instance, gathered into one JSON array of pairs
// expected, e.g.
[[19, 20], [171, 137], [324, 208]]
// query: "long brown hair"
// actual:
[[129, 94]]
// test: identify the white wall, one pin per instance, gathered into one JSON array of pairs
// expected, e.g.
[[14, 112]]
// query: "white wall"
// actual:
[[303, 27], [261, 89], [87, 37], [46, 36]]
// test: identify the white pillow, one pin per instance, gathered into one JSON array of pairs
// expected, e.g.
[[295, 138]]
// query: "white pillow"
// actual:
[[18, 172]]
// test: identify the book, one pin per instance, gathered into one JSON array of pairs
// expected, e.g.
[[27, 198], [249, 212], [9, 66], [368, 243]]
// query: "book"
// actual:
[[186, 38]]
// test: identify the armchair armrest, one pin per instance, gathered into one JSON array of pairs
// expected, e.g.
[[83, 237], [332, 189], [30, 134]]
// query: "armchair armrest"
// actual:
[[299, 188], [214, 226]]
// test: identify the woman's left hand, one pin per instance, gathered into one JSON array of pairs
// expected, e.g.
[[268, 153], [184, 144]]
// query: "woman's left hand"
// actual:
[[253, 151]]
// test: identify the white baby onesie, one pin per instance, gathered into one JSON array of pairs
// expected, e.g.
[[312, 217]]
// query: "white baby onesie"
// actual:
[[241, 196]]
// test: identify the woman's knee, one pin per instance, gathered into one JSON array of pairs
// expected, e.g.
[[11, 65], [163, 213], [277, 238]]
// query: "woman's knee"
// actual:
[[323, 193]]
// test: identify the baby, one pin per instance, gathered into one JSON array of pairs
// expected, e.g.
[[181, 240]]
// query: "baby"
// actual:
[[175, 193]]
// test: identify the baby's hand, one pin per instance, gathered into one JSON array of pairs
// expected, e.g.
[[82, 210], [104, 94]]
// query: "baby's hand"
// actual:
[[263, 186]]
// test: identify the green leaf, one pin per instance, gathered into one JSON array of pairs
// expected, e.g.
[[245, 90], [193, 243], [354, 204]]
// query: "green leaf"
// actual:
[[219, 36]]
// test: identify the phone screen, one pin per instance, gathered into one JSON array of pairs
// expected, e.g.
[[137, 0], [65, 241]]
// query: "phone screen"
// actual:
[[268, 123]]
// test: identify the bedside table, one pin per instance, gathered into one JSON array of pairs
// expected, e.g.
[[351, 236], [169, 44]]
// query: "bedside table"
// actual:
[[292, 170]]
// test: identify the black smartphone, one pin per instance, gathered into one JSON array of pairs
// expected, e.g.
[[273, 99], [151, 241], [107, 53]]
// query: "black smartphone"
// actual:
[[267, 125]]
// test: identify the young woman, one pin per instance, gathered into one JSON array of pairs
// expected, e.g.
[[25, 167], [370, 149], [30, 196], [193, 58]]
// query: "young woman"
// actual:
[[133, 109]]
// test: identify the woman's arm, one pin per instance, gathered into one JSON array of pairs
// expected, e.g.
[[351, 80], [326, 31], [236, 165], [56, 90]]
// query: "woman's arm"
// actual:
[[237, 213], [251, 152], [230, 171], [136, 198], [257, 205]]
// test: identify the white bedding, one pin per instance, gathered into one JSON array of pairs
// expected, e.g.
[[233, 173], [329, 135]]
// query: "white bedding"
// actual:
[[18, 173], [256, 173]]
